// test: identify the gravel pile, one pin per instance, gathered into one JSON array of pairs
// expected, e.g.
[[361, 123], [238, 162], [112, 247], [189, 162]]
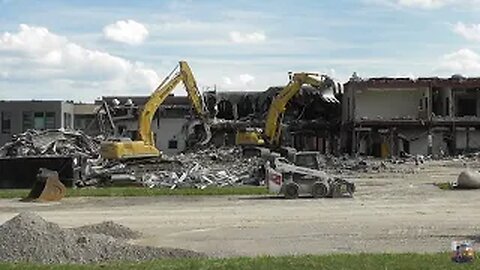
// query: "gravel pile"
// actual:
[[109, 228], [29, 238]]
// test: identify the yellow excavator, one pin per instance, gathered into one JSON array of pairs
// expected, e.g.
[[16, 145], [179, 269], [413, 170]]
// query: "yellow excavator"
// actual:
[[254, 141], [145, 145]]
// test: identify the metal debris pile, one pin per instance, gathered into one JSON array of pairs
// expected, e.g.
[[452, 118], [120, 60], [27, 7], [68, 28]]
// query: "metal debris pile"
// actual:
[[211, 167], [217, 167], [57, 142]]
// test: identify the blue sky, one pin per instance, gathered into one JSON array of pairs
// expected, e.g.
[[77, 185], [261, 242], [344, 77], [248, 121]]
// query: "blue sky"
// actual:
[[81, 50]]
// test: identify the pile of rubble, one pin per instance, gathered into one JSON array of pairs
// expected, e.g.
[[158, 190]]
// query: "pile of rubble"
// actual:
[[218, 167], [51, 143], [351, 165], [29, 238]]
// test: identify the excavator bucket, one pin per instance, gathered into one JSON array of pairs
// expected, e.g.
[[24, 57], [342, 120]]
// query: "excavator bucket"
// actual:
[[199, 133], [47, 187]]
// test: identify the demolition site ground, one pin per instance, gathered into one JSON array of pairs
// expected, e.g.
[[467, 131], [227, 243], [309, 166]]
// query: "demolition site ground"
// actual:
[[393, 212]]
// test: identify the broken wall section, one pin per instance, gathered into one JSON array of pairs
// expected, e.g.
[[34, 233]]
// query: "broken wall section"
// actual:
[[310, 123], [426, 116]]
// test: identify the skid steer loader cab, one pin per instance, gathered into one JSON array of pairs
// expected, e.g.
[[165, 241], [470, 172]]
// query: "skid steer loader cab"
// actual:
[[47, 187]]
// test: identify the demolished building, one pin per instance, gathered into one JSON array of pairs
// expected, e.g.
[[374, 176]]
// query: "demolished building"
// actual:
[[311, 122], [387, 117]]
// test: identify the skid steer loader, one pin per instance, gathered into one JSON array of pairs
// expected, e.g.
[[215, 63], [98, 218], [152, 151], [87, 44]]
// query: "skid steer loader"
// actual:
[[47, 187], [304, 177]]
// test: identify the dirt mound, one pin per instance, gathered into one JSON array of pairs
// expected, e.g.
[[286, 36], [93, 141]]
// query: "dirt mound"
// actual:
[[28, 237], [109, 228]]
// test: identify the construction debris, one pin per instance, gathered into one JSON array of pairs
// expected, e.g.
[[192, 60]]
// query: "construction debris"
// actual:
[[29, 238], [199, 168], [208, 167], [350, 165], [222, 167], [57, 142]]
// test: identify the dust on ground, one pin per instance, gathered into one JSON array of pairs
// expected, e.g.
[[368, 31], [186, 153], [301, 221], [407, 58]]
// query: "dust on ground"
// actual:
[[391, 212]]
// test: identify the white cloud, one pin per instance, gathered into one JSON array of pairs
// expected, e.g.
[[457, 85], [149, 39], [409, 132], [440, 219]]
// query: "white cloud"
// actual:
[[227, 81], [429, 4], [469, 32], [464, 61], [246, 79], [129, 32], [239, 82], [35, 53], [247, 38]]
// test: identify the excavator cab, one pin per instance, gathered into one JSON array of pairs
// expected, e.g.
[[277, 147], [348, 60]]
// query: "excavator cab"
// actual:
[[252, 142], [249, 136]]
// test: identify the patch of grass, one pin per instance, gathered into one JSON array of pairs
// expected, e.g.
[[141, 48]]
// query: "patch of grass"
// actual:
[[444, 186], [328, 262], [140, 191]]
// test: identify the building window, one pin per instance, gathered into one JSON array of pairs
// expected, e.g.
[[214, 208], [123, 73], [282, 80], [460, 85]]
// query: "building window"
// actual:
[[67, 120], [27, 121], [6, 122], [121, 130], [466, 107], [447, 106], [172, 144], [39, 120], [49, 120], [81, 123]]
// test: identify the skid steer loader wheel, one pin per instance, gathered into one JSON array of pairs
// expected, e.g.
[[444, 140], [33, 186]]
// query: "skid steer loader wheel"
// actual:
[[320, 190], [351, 189], [291, 191], [336, 190]]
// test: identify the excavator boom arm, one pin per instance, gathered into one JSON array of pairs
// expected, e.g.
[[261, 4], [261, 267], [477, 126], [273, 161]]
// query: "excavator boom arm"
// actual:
[[273, 124], [192, 89], [155, 100], [276, 110], [184, 75]]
